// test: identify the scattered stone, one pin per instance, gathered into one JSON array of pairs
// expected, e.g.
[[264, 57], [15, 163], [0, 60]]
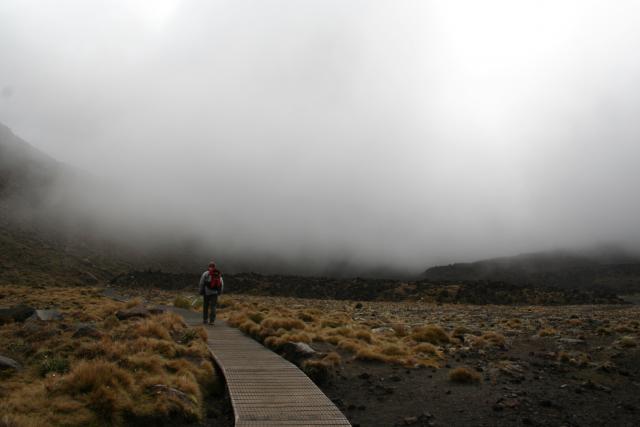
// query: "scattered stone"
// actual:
[[46, 315], [19, 313], [590, 385], [172, 392], [296, 350], [7, 363], [410, 420], [425, 416], [138, 311], [156, 310], [358, 306], [571, 341]]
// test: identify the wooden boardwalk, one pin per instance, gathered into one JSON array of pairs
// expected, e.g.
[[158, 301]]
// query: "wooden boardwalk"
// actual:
[[265, 389]]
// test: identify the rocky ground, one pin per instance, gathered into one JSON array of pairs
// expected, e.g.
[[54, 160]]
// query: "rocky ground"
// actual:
[[368, 289], [419, 363], [585, 374], [546, 366]]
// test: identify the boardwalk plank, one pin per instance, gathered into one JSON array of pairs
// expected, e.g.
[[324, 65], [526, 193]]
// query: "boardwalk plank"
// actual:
[[265, 389]]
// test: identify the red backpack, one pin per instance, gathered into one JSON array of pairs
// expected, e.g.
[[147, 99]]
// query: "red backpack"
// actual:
[[215, 279]]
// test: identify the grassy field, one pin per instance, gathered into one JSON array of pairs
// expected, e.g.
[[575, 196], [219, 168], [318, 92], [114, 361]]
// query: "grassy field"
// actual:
[[90, 368]]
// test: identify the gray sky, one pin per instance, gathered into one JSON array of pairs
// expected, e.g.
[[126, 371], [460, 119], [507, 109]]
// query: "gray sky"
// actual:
[[403, 133]]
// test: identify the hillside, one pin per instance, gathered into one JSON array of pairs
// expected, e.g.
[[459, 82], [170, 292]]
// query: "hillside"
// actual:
[[606, 268], [41, 242]]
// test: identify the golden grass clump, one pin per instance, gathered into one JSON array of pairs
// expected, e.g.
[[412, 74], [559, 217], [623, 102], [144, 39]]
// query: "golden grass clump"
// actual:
[[342, 331], [494, 338], [151, 328], [427, 348], [627, 342], [181, 301], [285, 323], [154, 370], [548, 332], [464, 375], [432, 334], [332, 358], [460, 331], [332, 323], [134, 302], [394, 350], [368, 354], [256, 317], [276, 342], [351, 345], [307, 316], [400, 329], [579, 359], [364, 335]]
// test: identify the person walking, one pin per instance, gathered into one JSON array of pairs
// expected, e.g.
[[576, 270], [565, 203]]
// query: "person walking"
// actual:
[[211, 286]]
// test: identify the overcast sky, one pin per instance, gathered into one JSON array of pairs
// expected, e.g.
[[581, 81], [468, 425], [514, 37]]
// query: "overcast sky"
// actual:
[[403, 133]]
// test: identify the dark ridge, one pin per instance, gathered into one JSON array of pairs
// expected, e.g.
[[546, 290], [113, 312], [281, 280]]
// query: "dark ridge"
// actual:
[[468, 292], [607, 268]]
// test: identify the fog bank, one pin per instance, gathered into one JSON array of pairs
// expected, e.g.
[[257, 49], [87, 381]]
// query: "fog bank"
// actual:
[[300, 134]]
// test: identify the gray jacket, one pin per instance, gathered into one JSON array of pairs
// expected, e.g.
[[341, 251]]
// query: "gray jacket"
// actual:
[[204, 279]]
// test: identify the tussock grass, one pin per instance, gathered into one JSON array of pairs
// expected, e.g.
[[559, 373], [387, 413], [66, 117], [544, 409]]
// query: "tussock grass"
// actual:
[[548, 332], [432, 334], [285, 323], [364, 335], [627, 342], [181, 301], [428, 349], [579, 359], [494, 338], [154, 370], [464, 375]]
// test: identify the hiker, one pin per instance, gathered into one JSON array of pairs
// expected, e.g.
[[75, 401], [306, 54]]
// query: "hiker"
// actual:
[[211, 285]]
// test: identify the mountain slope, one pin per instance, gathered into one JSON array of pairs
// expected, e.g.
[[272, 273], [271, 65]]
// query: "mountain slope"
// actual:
[[36, 245], [608, 267]]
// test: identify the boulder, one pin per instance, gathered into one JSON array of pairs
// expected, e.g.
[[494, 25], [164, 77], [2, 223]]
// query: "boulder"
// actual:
[[19, 313], [156, 310], [6, 363], [138, 311], [161, 389], [298, 350], [46, 315]]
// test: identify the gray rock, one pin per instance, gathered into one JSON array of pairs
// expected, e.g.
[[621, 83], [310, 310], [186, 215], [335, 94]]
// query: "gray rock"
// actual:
[[571, 341], [111, 293], [19, 313], [46, 315], [138, 311], [161, 389], [156, 310], [296, 350], [6, 363]]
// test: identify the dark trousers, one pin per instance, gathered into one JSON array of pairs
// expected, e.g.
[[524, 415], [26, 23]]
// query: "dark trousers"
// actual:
[[209, 302]]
